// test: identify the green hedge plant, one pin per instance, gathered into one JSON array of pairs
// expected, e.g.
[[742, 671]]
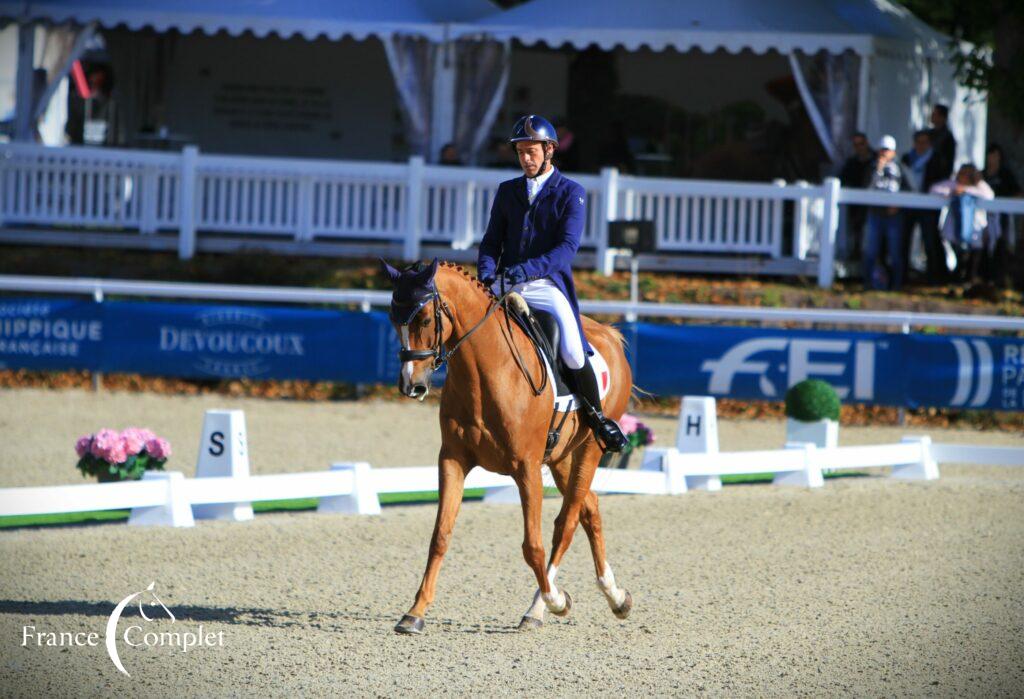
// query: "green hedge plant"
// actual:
[[812, 400]]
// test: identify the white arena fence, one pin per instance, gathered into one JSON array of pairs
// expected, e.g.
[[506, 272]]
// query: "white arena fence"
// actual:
[[366, 299], [229, 203], [167, 498]]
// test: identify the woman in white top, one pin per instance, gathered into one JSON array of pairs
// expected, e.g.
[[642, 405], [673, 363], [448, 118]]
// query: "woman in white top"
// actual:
[[969, 237]]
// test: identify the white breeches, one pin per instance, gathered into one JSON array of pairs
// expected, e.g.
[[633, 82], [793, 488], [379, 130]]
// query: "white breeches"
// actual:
[[545, 296]]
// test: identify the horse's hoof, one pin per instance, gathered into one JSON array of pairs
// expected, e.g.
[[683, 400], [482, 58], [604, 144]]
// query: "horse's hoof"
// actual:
[[529, 623], [623, 610], [567, 607], [410, 625]]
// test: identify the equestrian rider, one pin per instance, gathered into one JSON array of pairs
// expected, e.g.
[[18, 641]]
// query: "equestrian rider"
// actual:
[[532, 236]]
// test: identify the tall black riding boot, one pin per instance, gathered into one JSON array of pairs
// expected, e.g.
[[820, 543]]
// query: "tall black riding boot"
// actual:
[[609, 435]]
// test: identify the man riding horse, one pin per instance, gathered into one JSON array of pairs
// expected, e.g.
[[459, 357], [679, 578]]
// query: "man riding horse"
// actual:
[[532, 236]]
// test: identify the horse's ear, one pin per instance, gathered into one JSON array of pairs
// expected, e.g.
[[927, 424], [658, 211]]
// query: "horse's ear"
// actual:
[[425, 273], [388, 271]]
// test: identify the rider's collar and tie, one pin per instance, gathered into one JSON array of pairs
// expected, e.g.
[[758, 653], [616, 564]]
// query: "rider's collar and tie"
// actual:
[[535, 184]]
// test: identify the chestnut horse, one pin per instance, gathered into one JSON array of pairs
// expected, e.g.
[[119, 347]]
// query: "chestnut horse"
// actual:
[[492, 417]]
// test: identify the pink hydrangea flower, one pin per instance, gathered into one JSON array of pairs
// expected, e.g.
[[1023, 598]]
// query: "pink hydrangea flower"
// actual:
[[628, 423], [82, 445], [158, 448], [103, 442], [135, 439], [117, 454]]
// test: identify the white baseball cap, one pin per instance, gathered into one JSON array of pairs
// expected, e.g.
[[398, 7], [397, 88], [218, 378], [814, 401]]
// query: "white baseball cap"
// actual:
[[887, 142]]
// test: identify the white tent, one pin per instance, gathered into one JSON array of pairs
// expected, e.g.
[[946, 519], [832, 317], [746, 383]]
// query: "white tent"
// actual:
[[411, 32], [880, 67]]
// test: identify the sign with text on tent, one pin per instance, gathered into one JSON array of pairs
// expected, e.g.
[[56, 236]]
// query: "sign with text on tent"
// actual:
[[224, 453]]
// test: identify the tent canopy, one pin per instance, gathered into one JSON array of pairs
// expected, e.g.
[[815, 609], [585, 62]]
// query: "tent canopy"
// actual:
[[333, 19], [810, 26]]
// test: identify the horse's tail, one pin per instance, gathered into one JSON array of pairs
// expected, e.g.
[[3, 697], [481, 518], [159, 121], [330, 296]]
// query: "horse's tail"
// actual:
[[636, 392], [614, 332]]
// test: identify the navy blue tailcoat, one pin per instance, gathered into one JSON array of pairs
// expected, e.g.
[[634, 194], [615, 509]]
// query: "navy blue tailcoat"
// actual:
[[543, 237]]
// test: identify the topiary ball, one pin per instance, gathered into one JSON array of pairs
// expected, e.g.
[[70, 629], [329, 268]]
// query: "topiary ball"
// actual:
[[812, 400]]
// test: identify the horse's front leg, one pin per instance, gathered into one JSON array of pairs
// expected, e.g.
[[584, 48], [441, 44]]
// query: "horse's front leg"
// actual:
[[452, 479]]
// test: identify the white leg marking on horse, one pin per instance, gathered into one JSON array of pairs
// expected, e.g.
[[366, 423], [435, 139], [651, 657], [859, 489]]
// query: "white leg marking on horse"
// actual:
[[541, 603], [554, 600], [538, 607], [613, 593]]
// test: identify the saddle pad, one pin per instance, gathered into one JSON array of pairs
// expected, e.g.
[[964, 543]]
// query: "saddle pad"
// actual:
[[567, 402]]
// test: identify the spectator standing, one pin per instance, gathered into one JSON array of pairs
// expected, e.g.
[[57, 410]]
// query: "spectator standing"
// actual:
[[966, 222], [885, 222], [924, 169], [1004, 184], [450, 155], [854, 173], [942, 140]]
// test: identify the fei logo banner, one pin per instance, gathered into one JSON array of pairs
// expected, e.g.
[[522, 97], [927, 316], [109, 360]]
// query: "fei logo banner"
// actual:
[[877, 368]]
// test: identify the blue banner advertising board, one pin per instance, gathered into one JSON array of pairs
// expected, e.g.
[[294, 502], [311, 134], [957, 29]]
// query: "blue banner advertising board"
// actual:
[[876, 368], [231, 341]]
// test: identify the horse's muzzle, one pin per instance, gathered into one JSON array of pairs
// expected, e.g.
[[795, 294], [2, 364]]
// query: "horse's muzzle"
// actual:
[[414, 389]]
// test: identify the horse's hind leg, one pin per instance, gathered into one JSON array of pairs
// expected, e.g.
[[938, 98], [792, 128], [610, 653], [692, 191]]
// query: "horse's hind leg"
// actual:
[[619, 599], [573, 478]]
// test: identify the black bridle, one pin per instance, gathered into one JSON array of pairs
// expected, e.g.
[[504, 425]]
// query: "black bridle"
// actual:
[[403, 315]]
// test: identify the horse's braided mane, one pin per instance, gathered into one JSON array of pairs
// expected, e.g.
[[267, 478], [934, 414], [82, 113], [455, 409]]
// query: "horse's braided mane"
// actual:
[[465, 273]]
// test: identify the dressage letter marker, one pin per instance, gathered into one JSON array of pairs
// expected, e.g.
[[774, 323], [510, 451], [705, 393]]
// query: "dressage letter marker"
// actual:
[[224, 453], [698, 434]]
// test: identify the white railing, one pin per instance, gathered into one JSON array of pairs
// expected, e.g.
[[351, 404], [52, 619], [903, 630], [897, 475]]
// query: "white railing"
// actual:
[[700, 225], [167, 498], [100, 288]]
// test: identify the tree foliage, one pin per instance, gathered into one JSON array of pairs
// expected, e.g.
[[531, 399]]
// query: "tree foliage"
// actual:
[[996, 30]]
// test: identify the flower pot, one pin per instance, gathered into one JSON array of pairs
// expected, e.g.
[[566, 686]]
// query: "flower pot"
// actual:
[[623, 460], [821, 433]]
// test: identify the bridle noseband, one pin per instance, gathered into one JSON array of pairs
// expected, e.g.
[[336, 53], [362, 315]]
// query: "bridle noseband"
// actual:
[[436, 350]]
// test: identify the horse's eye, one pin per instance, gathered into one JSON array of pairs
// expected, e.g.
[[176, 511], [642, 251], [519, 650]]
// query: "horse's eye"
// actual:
[[426, 322]]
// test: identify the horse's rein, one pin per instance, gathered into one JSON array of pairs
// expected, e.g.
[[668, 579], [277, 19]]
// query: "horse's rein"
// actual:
[[438, 352]]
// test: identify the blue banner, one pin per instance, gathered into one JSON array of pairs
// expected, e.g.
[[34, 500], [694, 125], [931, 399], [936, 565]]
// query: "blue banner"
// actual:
[[198, 341], [50, 334], [874, 368], [229, 341]]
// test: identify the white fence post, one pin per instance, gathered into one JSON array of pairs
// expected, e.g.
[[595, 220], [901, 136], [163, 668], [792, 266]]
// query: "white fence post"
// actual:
[[304, 229], [149, 181], [829, 226], [187, 216], [414, 209], [924, 470], [610, 200], [807, 477], [176, 512], [362, 501]]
